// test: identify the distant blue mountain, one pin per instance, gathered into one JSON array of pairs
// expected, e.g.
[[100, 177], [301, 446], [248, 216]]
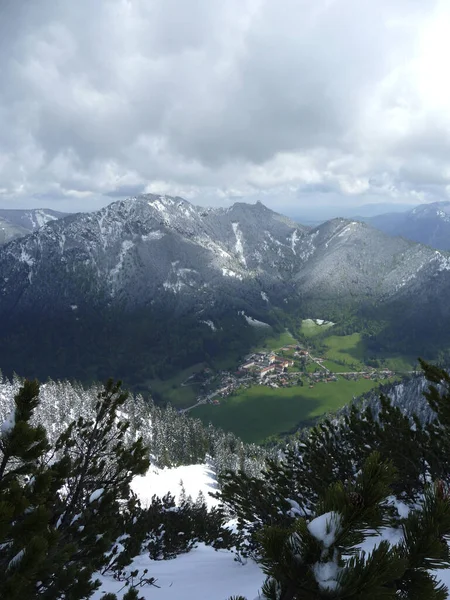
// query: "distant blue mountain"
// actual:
[[427, 223]]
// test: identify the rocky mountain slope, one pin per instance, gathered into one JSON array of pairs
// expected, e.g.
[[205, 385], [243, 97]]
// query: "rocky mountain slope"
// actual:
[[151, 249], [428, 224], [407, 395], [159, 249], [152, 259], [15, 223]]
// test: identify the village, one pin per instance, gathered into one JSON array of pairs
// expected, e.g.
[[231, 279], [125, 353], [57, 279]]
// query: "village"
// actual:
[[291, 365]]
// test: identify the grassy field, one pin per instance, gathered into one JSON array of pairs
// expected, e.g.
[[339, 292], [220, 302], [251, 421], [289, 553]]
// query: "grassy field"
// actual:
[[310, 328], [400, 363], [335, 367], [172, 391], [312, 367], [278, 341], [345, 348], [258, 412], [350, 349]]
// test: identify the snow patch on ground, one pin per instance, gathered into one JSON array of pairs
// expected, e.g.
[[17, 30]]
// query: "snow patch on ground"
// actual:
[[348, 229], [407, 279], [160, 481], [174, 287], [230, 273], [203, 572], [26, 258], [320, 322], [272, 239], [40, 218], [210, 324], [153, 235], [393, 536], [264, 296], [183, 278], [345, 232], [186, 271], [208, 243], [444, 263], [158, 205], [252, 321]]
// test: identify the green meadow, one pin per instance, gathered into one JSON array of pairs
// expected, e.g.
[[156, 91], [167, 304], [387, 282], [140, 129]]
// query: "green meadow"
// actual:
[[348, 349], [276, 342], [259, 412], [310, 328], [172, 391]]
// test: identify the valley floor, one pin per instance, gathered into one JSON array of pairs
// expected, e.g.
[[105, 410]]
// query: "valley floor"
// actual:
[[284, 384], [279, 388]]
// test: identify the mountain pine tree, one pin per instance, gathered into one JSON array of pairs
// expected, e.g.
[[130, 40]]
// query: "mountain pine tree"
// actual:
[[62, 508], [320, 556]]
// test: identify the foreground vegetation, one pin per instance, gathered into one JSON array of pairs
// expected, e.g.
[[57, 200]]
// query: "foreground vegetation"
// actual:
[[358, 507], [67, 511]]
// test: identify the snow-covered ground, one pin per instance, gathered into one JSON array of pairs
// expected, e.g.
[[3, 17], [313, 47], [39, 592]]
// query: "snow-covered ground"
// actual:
[[314, 322], [195, 478], [203, 572], [252, 321]]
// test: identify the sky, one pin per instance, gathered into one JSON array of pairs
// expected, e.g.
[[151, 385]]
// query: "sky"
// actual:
[[296, 103]]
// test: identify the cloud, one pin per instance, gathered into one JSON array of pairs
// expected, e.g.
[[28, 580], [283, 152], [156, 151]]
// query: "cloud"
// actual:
[[215, 100]]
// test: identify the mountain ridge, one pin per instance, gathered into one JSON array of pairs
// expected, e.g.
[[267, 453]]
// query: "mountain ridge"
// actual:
[[137, 272], [15, 223], [426, 223]]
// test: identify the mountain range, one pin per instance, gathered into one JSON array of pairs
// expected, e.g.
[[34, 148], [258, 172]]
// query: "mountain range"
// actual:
[[155, 280], [15, 223], [427, 223]]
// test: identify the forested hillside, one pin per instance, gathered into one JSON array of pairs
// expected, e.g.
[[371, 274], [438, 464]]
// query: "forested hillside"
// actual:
[[172, 438]]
